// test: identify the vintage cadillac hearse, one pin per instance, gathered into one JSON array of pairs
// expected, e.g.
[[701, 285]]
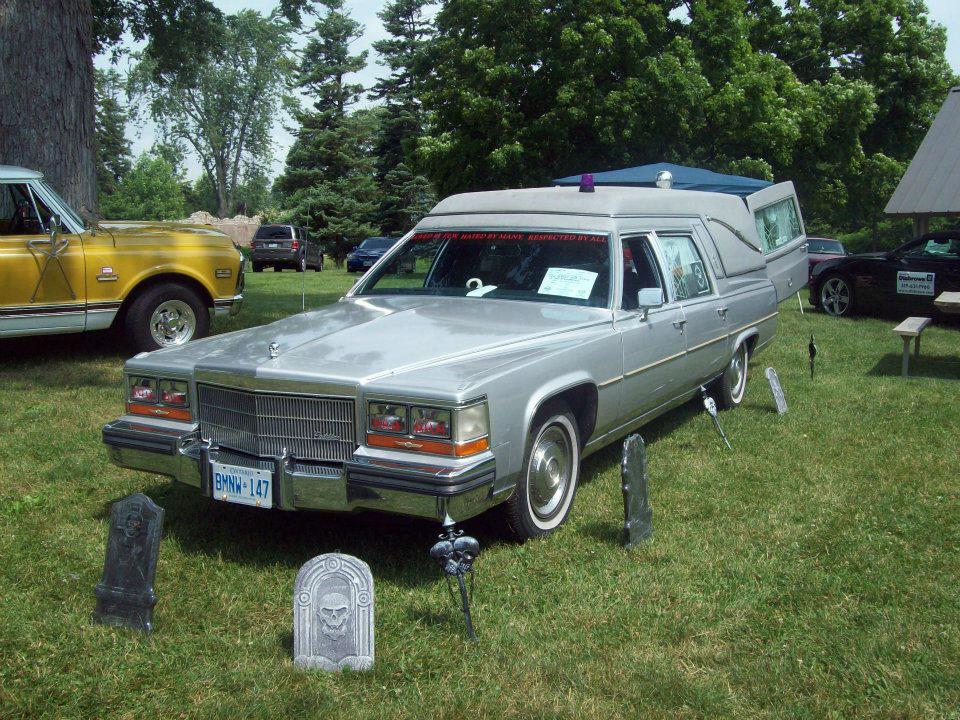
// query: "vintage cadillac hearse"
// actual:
[[538, 326]]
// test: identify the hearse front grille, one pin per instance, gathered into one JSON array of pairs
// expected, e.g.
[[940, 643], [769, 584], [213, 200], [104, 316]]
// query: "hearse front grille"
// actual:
[[308, 428]]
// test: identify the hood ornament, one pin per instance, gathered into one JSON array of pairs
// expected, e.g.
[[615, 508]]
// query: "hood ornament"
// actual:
[[274, 350]]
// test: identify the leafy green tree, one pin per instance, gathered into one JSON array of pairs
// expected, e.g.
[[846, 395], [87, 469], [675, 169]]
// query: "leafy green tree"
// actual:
[[114, 158], [328, 182], [224, 109], [150, 191], [524, 90]]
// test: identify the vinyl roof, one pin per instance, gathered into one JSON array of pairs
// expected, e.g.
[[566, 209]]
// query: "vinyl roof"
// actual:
[[12, 172], [931, 185], [606, 201]]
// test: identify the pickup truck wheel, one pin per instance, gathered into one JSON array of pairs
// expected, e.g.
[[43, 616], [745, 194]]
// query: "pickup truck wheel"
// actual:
[[166, 315], [732, 385], [544, 494], [257, 267]]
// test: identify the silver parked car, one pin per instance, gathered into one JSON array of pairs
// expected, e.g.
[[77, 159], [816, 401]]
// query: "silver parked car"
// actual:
[[537, 327]]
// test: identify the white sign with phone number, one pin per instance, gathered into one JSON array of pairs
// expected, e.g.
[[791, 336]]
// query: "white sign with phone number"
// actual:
[[915, 283]]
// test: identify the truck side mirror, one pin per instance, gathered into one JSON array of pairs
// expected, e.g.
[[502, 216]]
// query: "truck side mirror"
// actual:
[[648, 298]]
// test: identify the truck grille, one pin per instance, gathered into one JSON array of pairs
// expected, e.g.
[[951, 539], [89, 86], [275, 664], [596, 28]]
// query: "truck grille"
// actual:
[[309, 428]]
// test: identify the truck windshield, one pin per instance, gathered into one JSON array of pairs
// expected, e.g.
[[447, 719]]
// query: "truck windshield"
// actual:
[[570, 268]]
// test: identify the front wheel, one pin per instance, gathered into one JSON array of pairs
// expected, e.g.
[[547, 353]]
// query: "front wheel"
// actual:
[[836, 296], [166, 315], [544, 494]]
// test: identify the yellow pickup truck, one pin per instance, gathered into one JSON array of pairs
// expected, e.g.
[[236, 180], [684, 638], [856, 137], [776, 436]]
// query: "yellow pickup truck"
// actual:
[[158, 283]]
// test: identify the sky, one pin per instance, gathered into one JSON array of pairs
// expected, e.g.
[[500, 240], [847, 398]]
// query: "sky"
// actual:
[[944, 12]]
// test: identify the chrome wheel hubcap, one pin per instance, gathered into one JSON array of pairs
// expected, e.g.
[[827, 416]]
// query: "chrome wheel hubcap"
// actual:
[[835, 296], [173, 323], [738, 368], [550, 472]]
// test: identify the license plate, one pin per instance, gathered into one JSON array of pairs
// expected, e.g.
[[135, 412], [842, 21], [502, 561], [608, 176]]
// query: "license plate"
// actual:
[[272, 245], [367, 263], [242, 485]]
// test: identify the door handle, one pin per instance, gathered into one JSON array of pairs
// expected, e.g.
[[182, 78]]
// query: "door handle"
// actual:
[[678, 324], [722, 312]]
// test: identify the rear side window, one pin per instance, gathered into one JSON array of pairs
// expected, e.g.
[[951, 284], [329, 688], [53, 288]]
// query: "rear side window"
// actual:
[[685, 268], [778, 224]]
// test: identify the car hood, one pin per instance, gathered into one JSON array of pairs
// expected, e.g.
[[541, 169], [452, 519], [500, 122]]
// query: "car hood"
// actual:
[[131, 232], [359, 340]]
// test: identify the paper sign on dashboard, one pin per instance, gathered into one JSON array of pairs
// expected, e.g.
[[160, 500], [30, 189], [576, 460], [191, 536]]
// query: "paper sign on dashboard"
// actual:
[[568, 282]]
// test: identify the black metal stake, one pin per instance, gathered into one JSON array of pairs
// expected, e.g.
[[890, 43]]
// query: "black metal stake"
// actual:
[[812, 350], [455, 553]]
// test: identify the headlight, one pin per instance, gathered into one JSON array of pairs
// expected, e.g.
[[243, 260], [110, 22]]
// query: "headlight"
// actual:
[[384, 417], [142, 389], [158, 397], [456, 432], [430, 422]]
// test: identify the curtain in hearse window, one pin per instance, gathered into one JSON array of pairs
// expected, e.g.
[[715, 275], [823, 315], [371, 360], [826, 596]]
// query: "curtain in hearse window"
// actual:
[[778, 224]]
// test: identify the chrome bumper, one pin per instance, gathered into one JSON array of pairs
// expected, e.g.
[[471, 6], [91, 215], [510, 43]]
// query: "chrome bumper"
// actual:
[[404, 488], [228, 306]]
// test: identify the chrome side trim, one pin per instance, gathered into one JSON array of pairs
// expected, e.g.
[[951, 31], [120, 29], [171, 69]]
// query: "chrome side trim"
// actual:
[[654, 364]]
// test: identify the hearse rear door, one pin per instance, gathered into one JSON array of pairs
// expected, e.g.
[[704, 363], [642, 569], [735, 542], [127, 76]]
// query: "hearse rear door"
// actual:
[[782, 237]]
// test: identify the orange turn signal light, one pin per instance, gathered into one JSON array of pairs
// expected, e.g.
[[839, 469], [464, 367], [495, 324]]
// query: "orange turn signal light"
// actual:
[[434, 447], [166, 413]]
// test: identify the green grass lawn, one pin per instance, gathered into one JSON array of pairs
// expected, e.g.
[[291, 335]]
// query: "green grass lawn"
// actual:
[[812, 572]]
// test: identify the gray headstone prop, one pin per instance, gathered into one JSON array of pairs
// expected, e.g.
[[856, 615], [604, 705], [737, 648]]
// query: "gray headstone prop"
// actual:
[[637, 513], [710, 405], [125, 596], [333, 614], [778, 397], [455, 552]]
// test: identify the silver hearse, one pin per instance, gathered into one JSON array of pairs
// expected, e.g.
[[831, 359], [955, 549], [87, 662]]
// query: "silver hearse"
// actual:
[[538, 326]]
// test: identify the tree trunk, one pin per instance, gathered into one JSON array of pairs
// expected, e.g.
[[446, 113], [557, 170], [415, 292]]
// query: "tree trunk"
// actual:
[[46, 94]]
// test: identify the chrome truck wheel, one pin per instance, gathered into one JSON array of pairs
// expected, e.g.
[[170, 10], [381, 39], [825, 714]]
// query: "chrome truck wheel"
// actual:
[[173, 323], [165, 315]]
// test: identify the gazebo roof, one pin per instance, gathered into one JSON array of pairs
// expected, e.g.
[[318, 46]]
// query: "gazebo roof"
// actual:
[[931, 184]]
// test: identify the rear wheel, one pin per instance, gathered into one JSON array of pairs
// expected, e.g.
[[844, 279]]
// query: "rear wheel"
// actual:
[[258, 267], [544, 494], [730, 387], [166, 315], [836, 296]]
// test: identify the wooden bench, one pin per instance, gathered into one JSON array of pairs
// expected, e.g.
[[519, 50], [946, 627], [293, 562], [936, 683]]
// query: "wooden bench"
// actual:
[[907, 330]]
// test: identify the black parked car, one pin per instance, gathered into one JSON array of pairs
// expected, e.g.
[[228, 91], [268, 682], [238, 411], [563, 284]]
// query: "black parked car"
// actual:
[[905, 280], [281, 246], [368, 252]]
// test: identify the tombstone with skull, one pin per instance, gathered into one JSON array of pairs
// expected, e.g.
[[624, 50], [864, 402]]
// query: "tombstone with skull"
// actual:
[[333, 614]]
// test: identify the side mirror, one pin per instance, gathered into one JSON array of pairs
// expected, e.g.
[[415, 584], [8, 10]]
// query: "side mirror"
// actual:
[[648, 298], [54, 226]]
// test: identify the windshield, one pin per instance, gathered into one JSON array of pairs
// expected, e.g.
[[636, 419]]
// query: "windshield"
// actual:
[[377, 243], [824, 247], [554, 267], [274, 232], [67, 210]]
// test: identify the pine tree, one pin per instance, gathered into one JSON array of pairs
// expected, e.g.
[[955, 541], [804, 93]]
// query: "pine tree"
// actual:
[[406, 196], [329, 181], [114, 159]]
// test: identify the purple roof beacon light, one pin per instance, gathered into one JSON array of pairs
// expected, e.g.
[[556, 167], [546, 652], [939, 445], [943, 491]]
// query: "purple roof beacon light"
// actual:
[[586, 182]]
